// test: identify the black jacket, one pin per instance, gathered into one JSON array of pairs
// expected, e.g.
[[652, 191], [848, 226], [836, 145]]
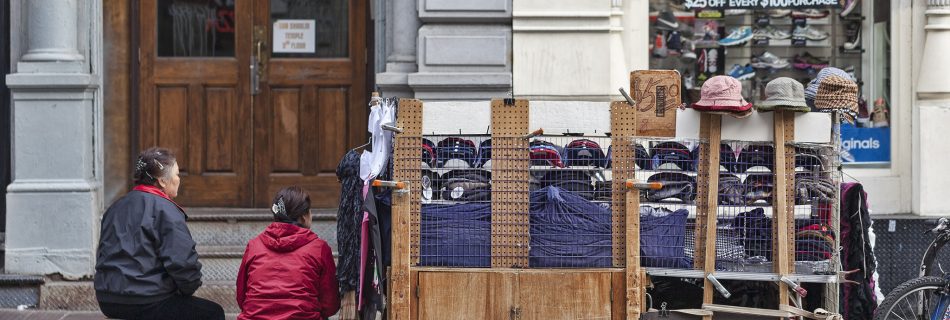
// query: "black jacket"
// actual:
[[146, 253]]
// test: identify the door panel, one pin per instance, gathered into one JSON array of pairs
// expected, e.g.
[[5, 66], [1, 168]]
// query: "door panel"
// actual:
[[463, 295], [194, 97], [310, 107], [567, 295]]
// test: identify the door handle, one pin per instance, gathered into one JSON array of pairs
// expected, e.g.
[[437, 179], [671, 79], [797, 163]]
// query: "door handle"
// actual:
[[258, 61]]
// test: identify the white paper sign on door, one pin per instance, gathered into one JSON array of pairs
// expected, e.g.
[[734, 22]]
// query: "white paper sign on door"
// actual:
[[295, 36]]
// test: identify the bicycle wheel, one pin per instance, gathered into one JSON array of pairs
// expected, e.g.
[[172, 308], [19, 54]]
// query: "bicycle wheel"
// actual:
[[915, 299]]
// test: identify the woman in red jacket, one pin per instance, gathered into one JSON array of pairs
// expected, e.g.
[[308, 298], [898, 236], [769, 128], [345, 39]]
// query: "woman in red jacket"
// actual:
[[287, 271]]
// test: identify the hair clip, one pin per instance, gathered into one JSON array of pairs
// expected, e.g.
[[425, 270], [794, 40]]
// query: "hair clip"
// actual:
[[160, 166], [139, 165], [279, 208]]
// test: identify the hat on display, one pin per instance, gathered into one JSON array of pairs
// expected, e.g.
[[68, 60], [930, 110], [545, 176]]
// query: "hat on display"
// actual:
[[455, 148], [428, 152], [808, 159], [544, 155], [785, 94], [642, 157], [671, 152], [755, 155], [730, 190], [727, 158], [429, 185], [723, 94], [811, 188], [585, 152], [484, 154], [466, 185], [674, 185], [576, 181], [758, 186], [837, 93], [811, 90]]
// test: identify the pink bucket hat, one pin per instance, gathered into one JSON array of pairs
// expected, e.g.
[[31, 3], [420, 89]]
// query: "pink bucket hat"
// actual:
[[723, 94]]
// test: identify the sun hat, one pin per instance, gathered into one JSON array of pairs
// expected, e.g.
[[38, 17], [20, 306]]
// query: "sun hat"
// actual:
[[723, 94], [837, 93], [455, 148], [783, 93], [812, 89]]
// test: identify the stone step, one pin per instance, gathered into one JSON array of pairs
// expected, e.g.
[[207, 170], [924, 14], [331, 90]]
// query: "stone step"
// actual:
[[221, 263], [80, 296], [235, 227]]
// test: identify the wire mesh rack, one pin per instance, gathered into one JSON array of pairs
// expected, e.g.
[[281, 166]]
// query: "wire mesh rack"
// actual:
[[667, 215], [816, 187]]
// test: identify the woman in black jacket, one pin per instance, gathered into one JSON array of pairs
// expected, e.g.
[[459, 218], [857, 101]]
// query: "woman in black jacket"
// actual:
[[146, 265]]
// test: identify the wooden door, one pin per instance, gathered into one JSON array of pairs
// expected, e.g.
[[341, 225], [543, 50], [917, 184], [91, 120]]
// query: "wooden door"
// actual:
[[240, 135], [312, 103], [194, 98]]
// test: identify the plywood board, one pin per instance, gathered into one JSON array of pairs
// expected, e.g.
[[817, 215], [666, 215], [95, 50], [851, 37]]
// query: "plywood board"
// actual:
[[657, 97], [564, 295], [783, 253], [510, 238], [458, 295], [400, 288], [635, 285]]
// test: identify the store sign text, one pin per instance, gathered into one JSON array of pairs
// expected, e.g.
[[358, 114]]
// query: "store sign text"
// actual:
[[759, 4]]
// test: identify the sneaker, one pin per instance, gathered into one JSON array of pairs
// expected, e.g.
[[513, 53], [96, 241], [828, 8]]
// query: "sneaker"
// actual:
[[742, 72], [863, 113], [738, 36], [849, 6], [807, 61], [736, 12], [779, 13], [688, 83], [810, 13], [853, 42], [770, 32], [659, 45], [712, 61], [689, 50], [850, 71], [666, 20], [767, 60], [879, 116], [809, 33]]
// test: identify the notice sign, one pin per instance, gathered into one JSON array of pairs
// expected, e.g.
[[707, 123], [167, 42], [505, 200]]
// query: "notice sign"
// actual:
[[295, 36], [760, 4]]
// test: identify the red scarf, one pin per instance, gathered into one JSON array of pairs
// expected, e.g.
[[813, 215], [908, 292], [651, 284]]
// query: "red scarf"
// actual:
[[158, 192]]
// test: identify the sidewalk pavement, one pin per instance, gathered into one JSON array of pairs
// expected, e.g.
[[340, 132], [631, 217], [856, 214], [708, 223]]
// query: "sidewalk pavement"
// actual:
[[13, 314]]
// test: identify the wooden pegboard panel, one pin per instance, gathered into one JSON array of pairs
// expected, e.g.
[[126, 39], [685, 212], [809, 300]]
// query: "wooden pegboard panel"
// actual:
[[789, 119], [780, 235], [400, 281], [510, 204], [407, 147], [623, 129], [707, 198]]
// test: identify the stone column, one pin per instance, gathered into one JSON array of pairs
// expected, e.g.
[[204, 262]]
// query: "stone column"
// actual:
[[53, 203], [933, 109], [402, 28]]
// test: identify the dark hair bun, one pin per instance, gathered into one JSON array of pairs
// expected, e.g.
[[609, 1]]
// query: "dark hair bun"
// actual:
[[151, 164]]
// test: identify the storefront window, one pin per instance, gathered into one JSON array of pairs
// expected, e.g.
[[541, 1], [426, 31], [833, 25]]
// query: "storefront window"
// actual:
[[757, 45]]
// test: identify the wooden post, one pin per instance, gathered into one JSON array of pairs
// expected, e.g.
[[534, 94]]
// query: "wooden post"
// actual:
[[707, 200], [406, 206], [783, 200], [625, 208], [510, 230]]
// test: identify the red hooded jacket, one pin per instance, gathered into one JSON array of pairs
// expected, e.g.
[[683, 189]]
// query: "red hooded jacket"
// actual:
[[287, 273]]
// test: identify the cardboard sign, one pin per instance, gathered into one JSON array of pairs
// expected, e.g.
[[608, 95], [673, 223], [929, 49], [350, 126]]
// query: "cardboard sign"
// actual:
[[760, 4], [295, 36], [657, 95]]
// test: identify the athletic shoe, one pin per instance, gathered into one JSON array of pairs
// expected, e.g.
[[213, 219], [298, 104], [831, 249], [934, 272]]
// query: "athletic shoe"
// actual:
[[742, 72], [701, 65], [809, 33], [659, 45], [850, 71], [810, 13], [770, 32], [853, 41], [768, 60], [666, 20], [807, 61], [849, 6], [879, 116], [736, 12], [689, 49], [738, 36], [712, 61], [779, 13], [688, 83]]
